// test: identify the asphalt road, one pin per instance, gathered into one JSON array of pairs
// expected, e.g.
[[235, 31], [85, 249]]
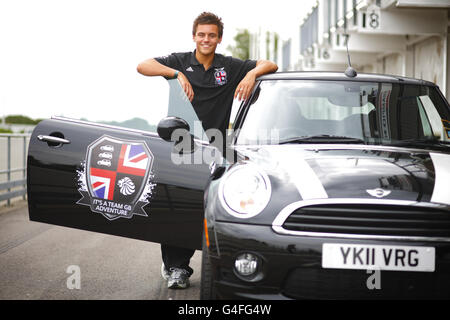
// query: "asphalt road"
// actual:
[[40, 261]]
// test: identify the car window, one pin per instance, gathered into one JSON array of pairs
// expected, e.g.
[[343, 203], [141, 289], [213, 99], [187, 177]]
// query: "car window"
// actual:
[[369, 111], [180, 106], [153, 100]]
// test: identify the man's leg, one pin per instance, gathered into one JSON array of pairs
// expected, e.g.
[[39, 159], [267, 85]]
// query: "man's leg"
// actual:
[[176, 261]]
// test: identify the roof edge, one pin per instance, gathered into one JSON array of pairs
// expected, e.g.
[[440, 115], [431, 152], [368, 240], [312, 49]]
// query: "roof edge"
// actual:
[[340, 76]]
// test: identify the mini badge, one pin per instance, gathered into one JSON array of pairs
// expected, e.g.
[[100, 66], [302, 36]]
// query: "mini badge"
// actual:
[[378, 192], [221, 76], [116, 180]]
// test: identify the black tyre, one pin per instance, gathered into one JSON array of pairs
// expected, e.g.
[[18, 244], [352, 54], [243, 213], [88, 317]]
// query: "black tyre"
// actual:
[[207, 289]]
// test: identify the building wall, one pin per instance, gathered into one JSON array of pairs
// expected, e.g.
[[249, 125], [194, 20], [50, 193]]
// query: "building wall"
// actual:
[[393, 64], [265, 44], [422, 60], [429, 60], [446, 67], [18, 128]]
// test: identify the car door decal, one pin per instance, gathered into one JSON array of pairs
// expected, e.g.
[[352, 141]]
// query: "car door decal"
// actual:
[[116, 178]]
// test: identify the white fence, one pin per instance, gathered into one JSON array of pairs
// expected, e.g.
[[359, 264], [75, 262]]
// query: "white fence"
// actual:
[[13, 163]]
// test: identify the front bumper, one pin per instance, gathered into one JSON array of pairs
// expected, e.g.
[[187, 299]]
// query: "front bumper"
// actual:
[[292, 268]]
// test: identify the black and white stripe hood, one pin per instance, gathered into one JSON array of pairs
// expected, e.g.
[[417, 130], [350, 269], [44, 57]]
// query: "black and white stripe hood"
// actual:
[[346, 171]]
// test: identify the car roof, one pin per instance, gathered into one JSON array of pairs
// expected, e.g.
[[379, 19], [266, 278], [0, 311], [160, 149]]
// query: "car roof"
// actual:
[[340, 76]]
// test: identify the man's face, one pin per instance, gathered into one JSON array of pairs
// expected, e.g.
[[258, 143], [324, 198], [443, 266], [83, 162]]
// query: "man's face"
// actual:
[[207, 38]]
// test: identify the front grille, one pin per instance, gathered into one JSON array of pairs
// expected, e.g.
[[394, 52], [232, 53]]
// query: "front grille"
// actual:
[[371, 219]]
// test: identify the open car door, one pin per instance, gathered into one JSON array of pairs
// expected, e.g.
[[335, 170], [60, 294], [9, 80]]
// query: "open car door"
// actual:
[[116, 180]]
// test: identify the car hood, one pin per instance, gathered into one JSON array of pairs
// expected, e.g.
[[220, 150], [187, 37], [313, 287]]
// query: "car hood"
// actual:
[[344, 171]]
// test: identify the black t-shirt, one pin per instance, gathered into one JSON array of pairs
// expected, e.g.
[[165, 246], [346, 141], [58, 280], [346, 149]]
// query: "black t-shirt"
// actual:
[[213, 88]]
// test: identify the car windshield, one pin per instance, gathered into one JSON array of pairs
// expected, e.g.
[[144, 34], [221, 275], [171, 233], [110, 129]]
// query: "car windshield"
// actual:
[[305, 111]]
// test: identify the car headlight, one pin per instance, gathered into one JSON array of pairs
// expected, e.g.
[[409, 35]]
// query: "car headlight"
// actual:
[[245, 191]]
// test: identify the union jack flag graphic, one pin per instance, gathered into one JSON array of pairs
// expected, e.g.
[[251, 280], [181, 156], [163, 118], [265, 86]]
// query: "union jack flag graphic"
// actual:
[[133, 159], [103, 183]]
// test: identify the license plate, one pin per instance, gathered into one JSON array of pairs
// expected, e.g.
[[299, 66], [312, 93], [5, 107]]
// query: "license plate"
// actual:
[[395, 258]]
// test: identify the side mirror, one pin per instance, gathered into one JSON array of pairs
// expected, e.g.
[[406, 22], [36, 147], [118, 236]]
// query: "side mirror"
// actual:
[[174, 129], [168, 125]]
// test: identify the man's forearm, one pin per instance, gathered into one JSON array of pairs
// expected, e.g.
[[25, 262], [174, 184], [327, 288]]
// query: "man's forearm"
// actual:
[[264, 67], [244, 88], [151, 67]]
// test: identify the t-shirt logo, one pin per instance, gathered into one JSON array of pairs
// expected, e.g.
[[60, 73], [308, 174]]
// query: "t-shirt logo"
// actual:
[[221, 76]]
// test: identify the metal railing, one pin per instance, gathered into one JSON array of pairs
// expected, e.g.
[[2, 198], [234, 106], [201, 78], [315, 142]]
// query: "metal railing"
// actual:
[[13, 159]]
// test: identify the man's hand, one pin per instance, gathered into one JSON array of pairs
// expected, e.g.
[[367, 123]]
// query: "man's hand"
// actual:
[[186, 85], [245, 87]]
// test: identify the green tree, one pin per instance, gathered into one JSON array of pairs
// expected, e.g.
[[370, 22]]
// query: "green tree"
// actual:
[[241, 49], [19, 119]]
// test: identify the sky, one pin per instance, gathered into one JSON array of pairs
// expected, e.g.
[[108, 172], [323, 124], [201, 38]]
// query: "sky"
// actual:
[[78, 58]]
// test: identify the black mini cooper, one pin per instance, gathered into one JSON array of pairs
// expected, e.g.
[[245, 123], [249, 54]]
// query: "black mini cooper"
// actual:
[[330, 187]]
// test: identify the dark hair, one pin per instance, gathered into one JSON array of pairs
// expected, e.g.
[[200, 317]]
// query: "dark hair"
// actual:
[[208, 18]]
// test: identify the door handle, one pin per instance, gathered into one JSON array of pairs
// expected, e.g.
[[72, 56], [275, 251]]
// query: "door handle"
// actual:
[[53, 139]]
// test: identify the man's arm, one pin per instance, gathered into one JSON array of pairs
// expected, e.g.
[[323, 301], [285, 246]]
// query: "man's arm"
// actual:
[[151, 67], [245, 87]]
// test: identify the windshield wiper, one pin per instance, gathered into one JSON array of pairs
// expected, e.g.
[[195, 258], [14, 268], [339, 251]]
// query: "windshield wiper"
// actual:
[[323, 138]]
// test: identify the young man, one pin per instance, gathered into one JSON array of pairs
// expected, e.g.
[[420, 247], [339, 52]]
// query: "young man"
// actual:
[[211, 81]]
